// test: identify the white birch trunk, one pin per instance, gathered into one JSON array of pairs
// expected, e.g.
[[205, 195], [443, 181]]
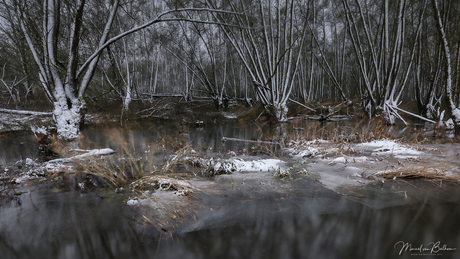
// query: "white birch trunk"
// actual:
[[455, 112]]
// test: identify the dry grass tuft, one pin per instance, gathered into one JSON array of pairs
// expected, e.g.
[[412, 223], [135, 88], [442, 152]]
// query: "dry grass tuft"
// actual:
[[119, 169], [175, 160], [335, 132], [129, 164], [114, 170], [432, 172]]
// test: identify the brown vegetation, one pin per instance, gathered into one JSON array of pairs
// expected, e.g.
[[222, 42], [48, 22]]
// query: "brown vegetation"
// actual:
[[428, 171]]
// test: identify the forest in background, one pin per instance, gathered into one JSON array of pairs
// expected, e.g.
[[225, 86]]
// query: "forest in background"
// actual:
[[394, 58]]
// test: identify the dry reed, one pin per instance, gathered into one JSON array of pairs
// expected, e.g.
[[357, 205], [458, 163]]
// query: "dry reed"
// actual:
[[432, 172]]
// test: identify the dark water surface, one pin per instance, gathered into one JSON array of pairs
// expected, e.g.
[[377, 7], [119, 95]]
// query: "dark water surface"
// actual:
[[310, 221], [44, 224]]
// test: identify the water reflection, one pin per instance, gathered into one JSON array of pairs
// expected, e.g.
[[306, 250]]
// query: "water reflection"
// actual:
[[16, 146], [308, 222], [66, 225], [311, 223], [363, 232], [20, 145]]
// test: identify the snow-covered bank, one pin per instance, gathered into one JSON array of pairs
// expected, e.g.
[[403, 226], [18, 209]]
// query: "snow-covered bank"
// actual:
[[238, 164], [32, 169], [341, 164], [18, 122]]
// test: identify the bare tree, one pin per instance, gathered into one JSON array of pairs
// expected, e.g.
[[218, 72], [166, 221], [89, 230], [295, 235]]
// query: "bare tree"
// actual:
[[65, 83], [268, 37], [381, 55]]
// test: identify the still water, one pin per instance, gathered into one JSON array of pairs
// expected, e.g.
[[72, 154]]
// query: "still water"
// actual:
[[309, 224], [309, 221]]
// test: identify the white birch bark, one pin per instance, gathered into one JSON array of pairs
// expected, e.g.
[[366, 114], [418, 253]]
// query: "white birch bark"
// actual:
[[455, 112]]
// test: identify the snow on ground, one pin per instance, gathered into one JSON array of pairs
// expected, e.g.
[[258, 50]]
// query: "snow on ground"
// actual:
[[348, 159], [33, 169], [132, 202], [39, 130], [14, 122], [263, 165], [389, 147], [230, 115], [301, 149], [339, 164], [235, 164]]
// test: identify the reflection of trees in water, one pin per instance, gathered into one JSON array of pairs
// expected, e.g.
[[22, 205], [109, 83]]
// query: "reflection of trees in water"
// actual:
[[361, 233], [69, 225], [311, 222]]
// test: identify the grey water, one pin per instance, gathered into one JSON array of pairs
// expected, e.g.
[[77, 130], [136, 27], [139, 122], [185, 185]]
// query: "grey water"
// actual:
[[44, 221], [310, 223]]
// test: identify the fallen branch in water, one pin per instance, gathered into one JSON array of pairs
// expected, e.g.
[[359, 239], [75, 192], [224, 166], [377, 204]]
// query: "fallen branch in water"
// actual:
[[415, 115], [303, 105], [86, 154], [21, 112]]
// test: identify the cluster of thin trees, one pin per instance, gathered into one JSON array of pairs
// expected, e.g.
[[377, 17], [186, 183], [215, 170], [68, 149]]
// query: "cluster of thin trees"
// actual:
[[393, 57]]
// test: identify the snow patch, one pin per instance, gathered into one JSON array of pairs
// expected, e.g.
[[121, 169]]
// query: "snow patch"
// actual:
[[263, 165], [230, 115], [390, 147], [39, 130], [449, 124], [347, 159], [132, 202], [68, 120], [29, 162], [235, 164], [301, 149], [456, 115]]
